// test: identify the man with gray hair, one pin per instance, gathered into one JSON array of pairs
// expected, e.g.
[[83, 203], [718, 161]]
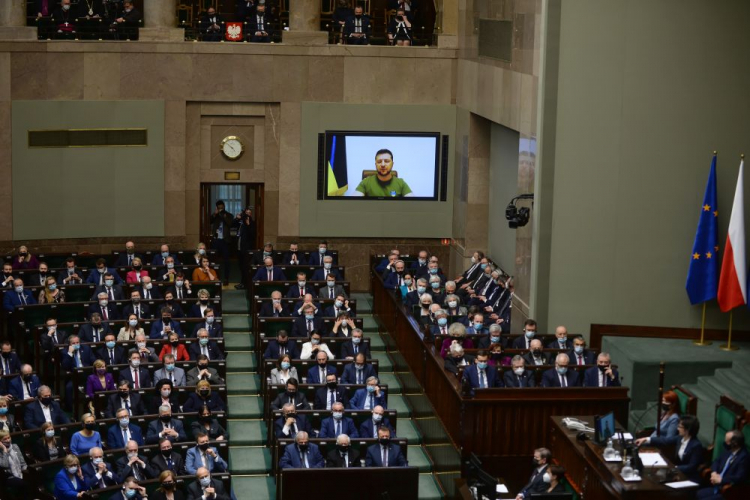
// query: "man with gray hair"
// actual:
[[560, 375], [302, 454], [413, 298], [518, 376], [602, 375], [456, 358], [394, 279], [165, 427], [344, 456], [44, 409]]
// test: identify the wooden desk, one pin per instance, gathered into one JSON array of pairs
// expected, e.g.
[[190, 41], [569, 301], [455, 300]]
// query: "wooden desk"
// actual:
[[369, 483], [598, 479]]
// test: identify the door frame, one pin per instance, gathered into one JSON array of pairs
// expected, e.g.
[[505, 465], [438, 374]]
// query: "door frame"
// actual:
[[206, 209]]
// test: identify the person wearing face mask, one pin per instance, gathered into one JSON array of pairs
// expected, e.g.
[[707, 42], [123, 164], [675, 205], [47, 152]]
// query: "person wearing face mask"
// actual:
[[130, 330], [136, 273], [168, 488], [553, 479], [290, 423], [495, 337], [177, 352], [269, 272], [76, 355], [331, 290], [536, 355], [387, 265], [148, 290], [126, 258], [137, 375], [322, 273], [97, 274], [162, 328], [579, 355], [131, 490], [24, 260], [94, 330], [204, 455], [344, 456], [355, 345], [436, 290], [369, 428], [205, 346], [212, 28], [69, 482], [204, 272], [457, 359], [529, 331], [688, 452], [357, 28], [88, 437], [168, 272], [541, 460], [110, 352], [340, 310], [561, 339], [327, 396], [453, 305], [274, 308], [167, 459], [294, 257], [7, 419], [290, 396], [317, 374], [123, 431], [602, 375], [9, 360], [165, 427], [732, 467], [385, 453], [204, 396], [210, 323], [518, 376], [170, 372], [206, 488], [160, 258], [283, 371], [316, 258], [441, 323], [337, 424], [98, 473], [670, 418], [50, 294], [209, 425], [24, 386], [12, 464], [100, 380], [359, 371], [344, 324], [473, 271], [165, 395], [298, 310], [302, 454], [200, 252], [481, 375], [110, 287], [414, 296], [368, 398], [280, 346], [49, 446], [301, 289], [425, 302], [259, 257], [39, 278], [409, 284], [203, 371], [308, 323], [18, 297], [6, 281], [457, 335], [561, 375], [138, 307], [126, 399], [204, 304], [107, 309]]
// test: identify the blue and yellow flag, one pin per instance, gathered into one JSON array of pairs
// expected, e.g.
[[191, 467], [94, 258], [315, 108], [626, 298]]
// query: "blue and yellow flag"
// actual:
[[703, 273], [338, 182]]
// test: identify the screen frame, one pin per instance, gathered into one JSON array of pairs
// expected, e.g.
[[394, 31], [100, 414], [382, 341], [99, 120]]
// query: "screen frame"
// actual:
[[598, 423], [437, 178]]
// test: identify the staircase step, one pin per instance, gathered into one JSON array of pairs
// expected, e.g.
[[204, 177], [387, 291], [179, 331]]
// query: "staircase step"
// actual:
[[234, 301], [245, 406], [243, 383], [398, 402], [239, 341], [376, 342], [241, 361], [364, 302], [247, 432], [407, 429], [390, 379], [255, 487], [418, 458], [251, 460], [236, 322], [727, 377], [385, 364], [369, 325], [707, 401], [428, 488]]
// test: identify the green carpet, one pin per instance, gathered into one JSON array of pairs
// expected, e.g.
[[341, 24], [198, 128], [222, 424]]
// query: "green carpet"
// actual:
[[254, 487], [239, 341], [245, 406], [243, 383], [237, 323], [249, 460], [247, 432], [428, 488], [240, 361]]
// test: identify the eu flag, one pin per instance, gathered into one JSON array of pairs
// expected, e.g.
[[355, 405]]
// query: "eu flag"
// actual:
[[703, 273]]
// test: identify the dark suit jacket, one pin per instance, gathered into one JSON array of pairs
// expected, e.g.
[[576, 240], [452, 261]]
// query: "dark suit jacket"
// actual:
[[324, 292], [95, 276], [301, 422], [206, 24], [335, 459], [591, 378], [529, 358], [267, 311], [313, 374], [291, 458], [368, 428], [157, 327], [124, 470], [287, 259], [300, 401], [295, 292], [272, 351], [214, 332], [589, 358], [520, 342], [252, 25], [321, 398], [195, 402], [116, 291], [159, 463], [13, 361], [347, 350], [86, 332], [556, 345], [395, 457], [316, 259], [328, 429], [350, 373], [536, 483], [41, 452], [349, 25], [112, 311], [115, 440], [119, 354], [11, 299], [158, 260], [525, 380], [155, 293], [214, 353], [122, 257], [143, 377], [320, 274], [299, 328], [452, 365], [262, 274], [89, 475], [146, 312], [691, 460], [738, 467], [87, 358], [155, 427], [195, 492], [15, 387], [34, 416], [114, 403], [550, 378], [472, 374]]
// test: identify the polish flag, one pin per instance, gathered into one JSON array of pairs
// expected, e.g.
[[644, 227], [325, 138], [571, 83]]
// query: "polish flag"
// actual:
[[733, 277]]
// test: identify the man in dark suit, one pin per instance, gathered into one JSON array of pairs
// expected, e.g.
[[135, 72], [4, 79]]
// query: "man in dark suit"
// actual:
[[480, 375], [167, 459], [161, 328], [168, 272], [113, 291], [133, 464], [97, 473], [457, 358], [137, 376], [579, 355], [147, 289], [290, 423], [206, 488], [395, 279], [327, 396], [519, 376], [275, 308], [137, 307], [293, 257], [319, 373], [94, 330], [472, 273], [495, 337], [246, 234], [205, 346], [125, 398], [301, 289], [322, 273], [19, 296], [344, 456], [212, 29], [259, 257], [307, 323], [9, 360], [731, 467], [316, 258], [301, 454], [352, 347], [536, 355], [269, 272], [259, 26], [337, 424], [125, 259], [165, 427], [357, 28], [25, 386], [281, 345], [529, 331], [123, 431], [76, 355], [212, 326], [34, 413], [108, 310], [561, 339], [385, 453], [369, 428], [160, 259], [601, 375], [412, 298], [536, 484], [39, 278], [245, 8], [98, 275], [341, 311], [331, 290], [368, 398], [358, 372], [560, 375], [307, 300], [70, 275], [290, 396]]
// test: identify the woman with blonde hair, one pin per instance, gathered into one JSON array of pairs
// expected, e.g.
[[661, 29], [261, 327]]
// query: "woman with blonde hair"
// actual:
[[130, 330], [50, 294], [204, 396], [100, 380]]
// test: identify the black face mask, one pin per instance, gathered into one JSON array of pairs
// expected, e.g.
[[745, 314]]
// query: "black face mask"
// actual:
[[282, 342], [137, 268], [535, 462], [175, 343], [169, 486], [536, 353], [166, 319], [204, 301], [322, 365], [203, 447], [342, 449], [166, 453], [205, 419], [6, 354], [203, 392], [384, 441], [303, 447], [89, 427], [165, 418], [291, 394], [124, 394], [291, 415], [46, 401], [332, 385], [665, 407], [202, 367], [26, 378], [603, 368]]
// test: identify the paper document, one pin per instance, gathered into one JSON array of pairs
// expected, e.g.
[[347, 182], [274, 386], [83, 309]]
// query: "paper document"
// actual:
[[626, 435], [681, 484], [501, 488], [652, 459]]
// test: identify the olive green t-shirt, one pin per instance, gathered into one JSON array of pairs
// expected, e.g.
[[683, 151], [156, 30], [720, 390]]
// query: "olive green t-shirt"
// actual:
[[396, 187]]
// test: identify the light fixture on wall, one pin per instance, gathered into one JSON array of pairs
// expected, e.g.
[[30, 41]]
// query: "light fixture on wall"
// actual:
[[518, 217]]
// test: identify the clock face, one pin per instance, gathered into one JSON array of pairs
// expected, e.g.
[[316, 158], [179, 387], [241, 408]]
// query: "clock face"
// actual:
[[232, 147]]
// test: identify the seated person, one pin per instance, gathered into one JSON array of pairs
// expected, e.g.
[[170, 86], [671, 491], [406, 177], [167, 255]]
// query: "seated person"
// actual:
[[70, 275], [125, 398], [130, 329], [318, 374], [388, 265], [175, 349], [414, 297], [24, 386], [327, 396], [48, 447], [301, 454], [731, 467], [269, 272], [7, 278], [453, 305], [357, 372], [307, 323], [206, 347], [369, 397], [385, 453], [69, 482], [181, 289], [19, 297], [259, 257], [355, 345], [560, 375], [313, 347], [9, 360], [160, 259], [436, 290], [322, 273], [259, 26], [123, 431], [290, 396], [50, 294], [160, 329], [168, 272], [553, 479], [688, 450], [100, 380], [94, 330], [210, 324], [536, 355], [99, 274], [147, 289], [204, 272], [173, 305], [97, 473], [301, 289], [111, 353], [126, 258], [165, 427], [542, 459], [561, 339], [209, 425], [112, 289], [457, 333], [498, 357], [480, 375], [369, 428], [518, 375], [342, 12], [204, 455], [441, 318], [200, 309], [170, 372], [495, 337], [165, 395], [331, 290], [299, 308], [670, 416], [408, 286], [131, 490], [316, 259], [402, 6], [337, 423], [280, 346], [457, 358], [290, 423], [137, 375], [529, 331], [294, 257], [340, 309], [88, 437], [579, 355], [141, 310], [356, 29], [108, 310], [275, 308], [76, 355], [134, 464], [344, 455], [601, 375], [477, 325], [202, 371], [204, 396], [167, 459], [283, 371], [13, 464]]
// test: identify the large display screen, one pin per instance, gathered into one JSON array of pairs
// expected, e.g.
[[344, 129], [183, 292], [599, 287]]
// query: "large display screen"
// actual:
[[381, 165]]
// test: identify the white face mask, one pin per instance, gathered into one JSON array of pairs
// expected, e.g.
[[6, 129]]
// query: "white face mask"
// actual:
[[518, 371], [547, 478]]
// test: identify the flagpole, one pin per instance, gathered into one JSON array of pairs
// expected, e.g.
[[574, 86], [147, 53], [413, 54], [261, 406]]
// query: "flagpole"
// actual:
[[728, 346], [702, 341]]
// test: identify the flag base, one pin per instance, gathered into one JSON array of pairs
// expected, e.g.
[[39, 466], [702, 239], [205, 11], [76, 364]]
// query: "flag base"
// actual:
[[727, 347], [702, 342]]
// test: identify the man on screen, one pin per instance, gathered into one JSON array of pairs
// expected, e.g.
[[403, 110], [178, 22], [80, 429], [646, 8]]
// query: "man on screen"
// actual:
[[383, 184]]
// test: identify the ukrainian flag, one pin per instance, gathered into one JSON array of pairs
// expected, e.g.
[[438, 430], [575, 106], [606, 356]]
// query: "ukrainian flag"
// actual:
[[338, 182]]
